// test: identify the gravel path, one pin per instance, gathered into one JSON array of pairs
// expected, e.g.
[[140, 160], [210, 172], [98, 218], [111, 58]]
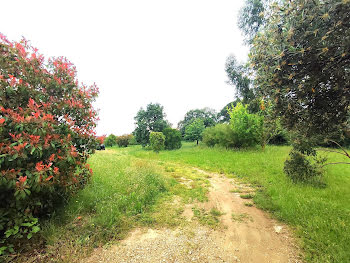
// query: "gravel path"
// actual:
[[247, 234]]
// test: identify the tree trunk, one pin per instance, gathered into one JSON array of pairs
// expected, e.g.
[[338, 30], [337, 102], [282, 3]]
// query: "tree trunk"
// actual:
[[197, 142]]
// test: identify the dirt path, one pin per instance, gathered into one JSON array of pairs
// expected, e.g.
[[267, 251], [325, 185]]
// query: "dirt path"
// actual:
[[246, 234]]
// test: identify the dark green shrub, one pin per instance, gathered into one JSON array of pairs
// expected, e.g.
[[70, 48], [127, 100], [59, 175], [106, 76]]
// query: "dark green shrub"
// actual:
[[124, 140], [172, 139], [111, 140], [220, 134], [157, 140], [302, 168]]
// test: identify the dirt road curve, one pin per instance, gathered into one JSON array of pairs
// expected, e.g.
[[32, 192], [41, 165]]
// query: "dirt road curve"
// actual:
[[247, 235]]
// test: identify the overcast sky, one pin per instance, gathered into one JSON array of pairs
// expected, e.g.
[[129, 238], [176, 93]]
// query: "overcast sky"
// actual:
[[137, 52]]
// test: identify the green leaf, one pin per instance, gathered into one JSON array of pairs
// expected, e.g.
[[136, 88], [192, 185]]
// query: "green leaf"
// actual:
[[35, 229]]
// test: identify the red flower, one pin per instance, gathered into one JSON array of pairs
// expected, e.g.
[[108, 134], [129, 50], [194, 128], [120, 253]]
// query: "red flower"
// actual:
[[56, 170], [48, 178], [22, 179], [39, 166], [52, 157], [2, 120]]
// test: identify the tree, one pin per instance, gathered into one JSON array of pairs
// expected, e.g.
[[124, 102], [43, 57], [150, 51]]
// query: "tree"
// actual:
[[302, 62], [47, 126], [209, 117], [124, 140], [172, 138], [151, 119], [252, 18], [195, 130], [157, 140], [111, 140]]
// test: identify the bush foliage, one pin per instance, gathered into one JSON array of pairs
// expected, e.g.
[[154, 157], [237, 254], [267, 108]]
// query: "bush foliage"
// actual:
[[220, 134], [46, 135], [247, 127], [124, 140], [157, 140], [172, 139], [111, 140], [302, 168]]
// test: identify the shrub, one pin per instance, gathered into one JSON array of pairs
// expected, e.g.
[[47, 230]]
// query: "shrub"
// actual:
[[46, 135], [247, 127], [172, 139], [157, 140], [111, 140], [220, 134], [124, 140], [132, 140], [303, 168]]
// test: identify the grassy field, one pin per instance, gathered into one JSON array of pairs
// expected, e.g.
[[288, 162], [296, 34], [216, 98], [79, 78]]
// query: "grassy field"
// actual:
[[133, 187], [319, 215], [125, 192]]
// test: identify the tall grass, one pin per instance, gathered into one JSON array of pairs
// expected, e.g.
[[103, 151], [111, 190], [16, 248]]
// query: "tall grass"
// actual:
[[121, 190], [319, 215]]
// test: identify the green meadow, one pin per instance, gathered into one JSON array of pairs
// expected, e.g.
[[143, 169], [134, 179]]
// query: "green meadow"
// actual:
[[132, 187]]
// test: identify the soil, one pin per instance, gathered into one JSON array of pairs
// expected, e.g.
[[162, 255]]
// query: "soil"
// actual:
[[246, 234]]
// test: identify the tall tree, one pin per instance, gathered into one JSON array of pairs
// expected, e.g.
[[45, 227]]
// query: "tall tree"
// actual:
[[151, 119], [252, 18], [302, 62], [207, 115]]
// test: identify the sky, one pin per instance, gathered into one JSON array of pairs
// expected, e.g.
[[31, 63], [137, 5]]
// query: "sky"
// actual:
[[137, 51]]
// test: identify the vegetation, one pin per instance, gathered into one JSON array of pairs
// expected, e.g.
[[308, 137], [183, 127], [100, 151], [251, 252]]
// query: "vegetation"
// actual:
[[301, 59], [246, 127], [151, 119], [195, 130], [318, 212], [124, 140], [111, 140], [207, 115], [157, 140], [46, 135], [172, 139]]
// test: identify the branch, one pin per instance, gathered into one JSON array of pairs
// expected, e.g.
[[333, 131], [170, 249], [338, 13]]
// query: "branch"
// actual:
[[346, 153], [326, 150], [334, 163]]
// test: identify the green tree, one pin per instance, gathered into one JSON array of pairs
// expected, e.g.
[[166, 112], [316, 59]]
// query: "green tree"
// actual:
[[172, 138], [302, 62], [151, 119], [195, 130], [207, 115], [157, 140], [252, 18], [111, 140]]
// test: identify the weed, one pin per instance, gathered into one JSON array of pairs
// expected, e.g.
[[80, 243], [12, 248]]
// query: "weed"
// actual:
[[247, 196], [241, 217]]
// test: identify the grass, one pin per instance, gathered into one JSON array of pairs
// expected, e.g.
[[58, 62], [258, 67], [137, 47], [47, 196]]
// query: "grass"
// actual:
[[244, 217], [319, 215], [209, 218], [125, 192]]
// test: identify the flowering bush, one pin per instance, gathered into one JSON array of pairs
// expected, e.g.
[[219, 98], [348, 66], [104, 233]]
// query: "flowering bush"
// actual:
[[46, 135]]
